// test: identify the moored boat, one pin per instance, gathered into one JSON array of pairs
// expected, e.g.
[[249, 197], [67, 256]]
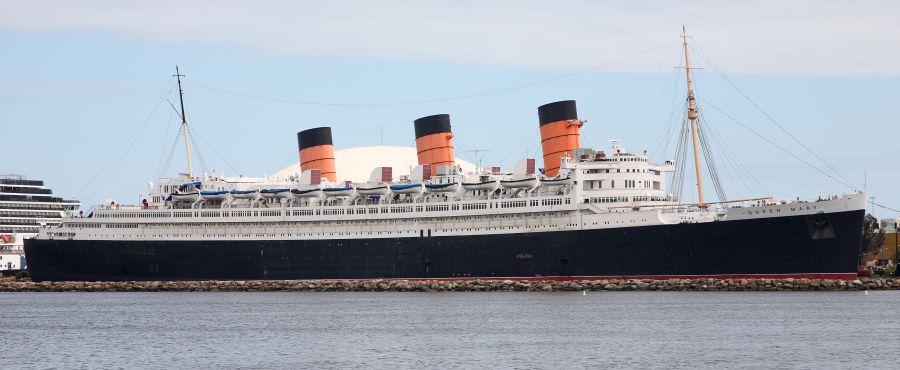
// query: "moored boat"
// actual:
[[529, 183], [244, 194], [276, 193], [489, 185], [307, 193], [617, 220], [414, 188], [442, 188], [556, 182], [338, 192], [186, 197], [214, 195], [371, 191]]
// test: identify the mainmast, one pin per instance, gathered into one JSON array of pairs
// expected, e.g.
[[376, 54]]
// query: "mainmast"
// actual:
[[693, 114], [184, 125]]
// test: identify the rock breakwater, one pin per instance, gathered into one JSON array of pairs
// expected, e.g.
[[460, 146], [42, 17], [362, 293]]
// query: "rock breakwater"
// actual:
[[715, 285]]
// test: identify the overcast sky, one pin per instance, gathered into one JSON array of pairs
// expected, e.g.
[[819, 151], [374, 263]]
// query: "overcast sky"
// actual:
[[78, 79]]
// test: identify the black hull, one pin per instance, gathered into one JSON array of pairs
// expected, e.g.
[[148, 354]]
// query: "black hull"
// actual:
[[817, 245]]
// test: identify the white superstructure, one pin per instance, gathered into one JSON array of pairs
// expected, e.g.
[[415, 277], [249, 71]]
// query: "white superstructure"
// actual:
[[25, 207], [596, 190]]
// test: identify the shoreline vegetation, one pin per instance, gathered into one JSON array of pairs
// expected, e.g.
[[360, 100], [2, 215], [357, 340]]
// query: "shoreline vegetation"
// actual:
[[382, 285]]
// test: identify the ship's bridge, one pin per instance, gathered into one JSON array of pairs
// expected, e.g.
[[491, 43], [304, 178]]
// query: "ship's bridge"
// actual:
[[618, 176]]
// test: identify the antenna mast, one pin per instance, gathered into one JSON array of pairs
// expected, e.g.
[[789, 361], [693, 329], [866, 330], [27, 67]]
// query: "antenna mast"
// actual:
[[478, 158], [693, 114], [184, 125]]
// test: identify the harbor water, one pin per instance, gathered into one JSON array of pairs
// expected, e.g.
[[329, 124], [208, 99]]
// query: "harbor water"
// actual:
[[451, 330]]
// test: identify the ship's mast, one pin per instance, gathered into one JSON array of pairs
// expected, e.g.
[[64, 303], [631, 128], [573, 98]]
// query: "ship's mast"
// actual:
[[184, 125], [693, 114]]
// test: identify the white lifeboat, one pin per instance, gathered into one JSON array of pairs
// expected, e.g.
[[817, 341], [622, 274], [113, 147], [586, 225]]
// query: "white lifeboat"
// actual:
[[186, 197], [275, 193], [306, 193], [443, 188], [376, 190], [244, 194], [214, 194], [489, 185], [556, 182], [338, 192], [527, 183], [414, 188]]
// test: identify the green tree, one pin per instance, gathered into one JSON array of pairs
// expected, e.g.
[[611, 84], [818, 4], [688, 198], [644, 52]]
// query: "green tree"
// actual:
[[873, 236]]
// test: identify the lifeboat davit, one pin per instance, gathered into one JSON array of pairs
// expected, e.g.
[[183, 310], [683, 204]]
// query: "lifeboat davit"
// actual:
[[337, 192], [275, 193], [244, 194], [556, 182], [489, 185], [214, 195], [308, 193], [528, 183], [377, 190], [415, 188], [186, 197], [443, 188]]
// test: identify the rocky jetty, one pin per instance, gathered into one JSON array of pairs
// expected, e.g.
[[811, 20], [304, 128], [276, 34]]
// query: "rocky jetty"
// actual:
[[713, 285]]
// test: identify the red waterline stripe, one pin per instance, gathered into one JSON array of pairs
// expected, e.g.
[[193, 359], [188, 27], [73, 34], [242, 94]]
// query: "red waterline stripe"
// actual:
[[837, 275]]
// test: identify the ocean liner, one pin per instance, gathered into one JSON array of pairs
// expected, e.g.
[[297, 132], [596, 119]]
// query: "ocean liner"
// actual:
[[588, 214], [25, 206]]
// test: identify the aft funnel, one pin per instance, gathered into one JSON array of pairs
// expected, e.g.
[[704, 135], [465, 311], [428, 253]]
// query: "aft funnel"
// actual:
[[317, 151], [434, 142], [559, 133]]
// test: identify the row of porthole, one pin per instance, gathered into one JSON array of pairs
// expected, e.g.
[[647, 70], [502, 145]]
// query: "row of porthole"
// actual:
[[324, 234]]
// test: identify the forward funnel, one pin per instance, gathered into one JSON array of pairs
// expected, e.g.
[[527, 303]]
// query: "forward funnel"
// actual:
[[434, 143], [317, 151], [559, 133]]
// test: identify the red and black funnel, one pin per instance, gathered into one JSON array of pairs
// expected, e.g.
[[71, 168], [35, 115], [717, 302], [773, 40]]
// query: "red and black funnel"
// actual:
[[434, 141], [559, 133], [317, 151]]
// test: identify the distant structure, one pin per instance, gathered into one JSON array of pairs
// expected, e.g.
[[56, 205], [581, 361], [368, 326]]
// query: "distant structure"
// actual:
[[26, 206], [889, 225]]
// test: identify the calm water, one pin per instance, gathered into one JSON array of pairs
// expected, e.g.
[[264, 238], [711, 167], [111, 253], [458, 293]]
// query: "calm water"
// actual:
[[456, 330]]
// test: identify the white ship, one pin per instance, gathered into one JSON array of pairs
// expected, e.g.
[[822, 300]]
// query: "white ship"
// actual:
[[25, 207]]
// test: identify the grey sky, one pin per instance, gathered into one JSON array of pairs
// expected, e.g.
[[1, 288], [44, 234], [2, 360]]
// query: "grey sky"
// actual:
[[755, 37]]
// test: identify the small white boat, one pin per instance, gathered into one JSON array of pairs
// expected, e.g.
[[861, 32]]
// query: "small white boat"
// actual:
[[189, 187], [489, 185], [214, 195], [377, 190], [276, 193], [337, 192], [528, 183], [443, 188], [186, 197], [556, 182], [244, 194], [415, 188], [307, 193]]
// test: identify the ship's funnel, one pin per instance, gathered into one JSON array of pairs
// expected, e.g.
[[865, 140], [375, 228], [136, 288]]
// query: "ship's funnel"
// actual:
[[317, 151], [559, 133], [434, 142]]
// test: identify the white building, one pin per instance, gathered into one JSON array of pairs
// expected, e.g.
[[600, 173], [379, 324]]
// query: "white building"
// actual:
[[889, 225]]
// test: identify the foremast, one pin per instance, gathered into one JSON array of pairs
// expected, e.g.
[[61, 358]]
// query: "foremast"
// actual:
[[184, 124], [693, 115]]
